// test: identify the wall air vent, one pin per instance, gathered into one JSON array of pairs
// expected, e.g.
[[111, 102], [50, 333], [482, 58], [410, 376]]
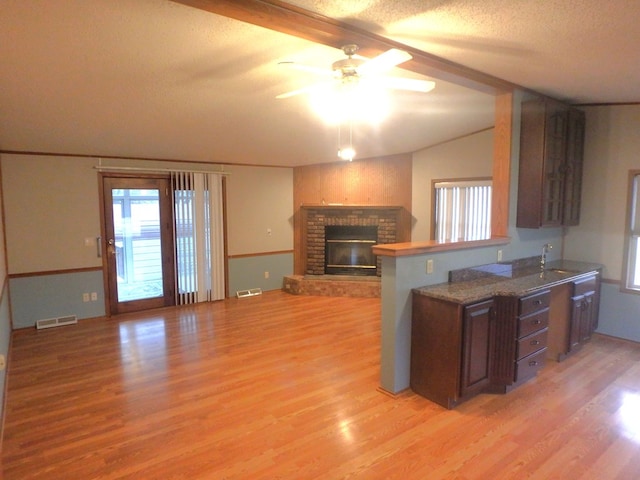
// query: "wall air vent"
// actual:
[[56, 322], [252, 292]]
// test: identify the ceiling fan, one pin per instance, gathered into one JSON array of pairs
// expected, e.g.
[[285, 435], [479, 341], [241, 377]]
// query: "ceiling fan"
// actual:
[[353, 69]]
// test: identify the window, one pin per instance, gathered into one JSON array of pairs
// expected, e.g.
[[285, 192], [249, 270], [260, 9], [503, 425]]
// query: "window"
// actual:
[[462, 210], [631, 268]]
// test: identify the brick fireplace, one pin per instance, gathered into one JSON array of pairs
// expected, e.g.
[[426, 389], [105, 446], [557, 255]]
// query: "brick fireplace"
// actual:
[[315, 219], [311, 279]]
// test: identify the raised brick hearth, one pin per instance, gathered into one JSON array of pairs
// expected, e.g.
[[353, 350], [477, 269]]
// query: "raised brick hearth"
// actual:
[[332, 285]]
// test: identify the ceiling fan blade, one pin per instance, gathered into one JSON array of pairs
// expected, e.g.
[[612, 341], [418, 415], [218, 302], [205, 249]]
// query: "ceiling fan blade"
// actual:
[[308, 68], [410, 84], [385, 61], [303, 90]]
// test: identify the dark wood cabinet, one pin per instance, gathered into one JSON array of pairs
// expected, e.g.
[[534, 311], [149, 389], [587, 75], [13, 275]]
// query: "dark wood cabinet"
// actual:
[[574, 315], [584, 312], [573, 167], [533, 323], [496, 344], [551, 155], [451, 347], [521, 333], [493, 345]]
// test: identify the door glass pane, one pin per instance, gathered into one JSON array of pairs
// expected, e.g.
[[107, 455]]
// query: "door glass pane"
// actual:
[[136, 221]]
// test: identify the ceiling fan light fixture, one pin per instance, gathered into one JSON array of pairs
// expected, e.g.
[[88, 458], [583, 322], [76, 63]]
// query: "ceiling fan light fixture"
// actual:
[[359, 101], [347, 153]]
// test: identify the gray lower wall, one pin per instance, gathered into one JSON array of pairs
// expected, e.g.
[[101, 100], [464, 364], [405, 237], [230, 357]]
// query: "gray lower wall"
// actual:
[[249, 272], [57, 295], [38, 297], [619, 313], [5, 339]]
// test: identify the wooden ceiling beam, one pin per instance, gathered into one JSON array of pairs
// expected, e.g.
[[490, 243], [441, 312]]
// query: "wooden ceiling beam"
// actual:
[[289, 19]]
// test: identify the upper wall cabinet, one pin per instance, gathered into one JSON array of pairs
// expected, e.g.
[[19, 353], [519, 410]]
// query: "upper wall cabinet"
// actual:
[[550, 176], [573, 167]]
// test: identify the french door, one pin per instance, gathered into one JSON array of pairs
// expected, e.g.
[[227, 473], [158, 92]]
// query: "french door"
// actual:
[[139, 251]]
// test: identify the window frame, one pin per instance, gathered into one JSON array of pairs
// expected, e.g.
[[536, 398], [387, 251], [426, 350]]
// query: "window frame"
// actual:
[[631, 256], [461, 180]]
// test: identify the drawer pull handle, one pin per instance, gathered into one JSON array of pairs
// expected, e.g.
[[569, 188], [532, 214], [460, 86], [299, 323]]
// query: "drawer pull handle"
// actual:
[[534, 342], [535, 322], [537, 302], [533, 363]]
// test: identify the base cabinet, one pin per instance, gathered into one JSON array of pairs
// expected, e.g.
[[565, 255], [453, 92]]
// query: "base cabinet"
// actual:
[[496, 344], [451, 347], [533, 323], [584, 312], [521, 339], [459, 351]]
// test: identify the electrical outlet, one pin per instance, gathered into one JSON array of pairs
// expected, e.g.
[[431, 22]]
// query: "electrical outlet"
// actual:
[[85, 297], [94, 296], [266, 274], [430, 266]]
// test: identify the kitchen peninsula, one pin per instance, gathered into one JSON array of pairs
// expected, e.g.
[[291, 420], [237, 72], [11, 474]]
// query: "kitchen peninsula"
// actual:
[[492, 327]]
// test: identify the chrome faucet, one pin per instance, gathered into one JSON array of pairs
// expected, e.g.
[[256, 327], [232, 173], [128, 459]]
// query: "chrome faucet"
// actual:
[[543, 258]]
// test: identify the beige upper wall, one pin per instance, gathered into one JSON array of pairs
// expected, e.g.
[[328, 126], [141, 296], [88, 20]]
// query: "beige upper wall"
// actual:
[[467, 157], [259, 201], [51, 207], [612, 148]]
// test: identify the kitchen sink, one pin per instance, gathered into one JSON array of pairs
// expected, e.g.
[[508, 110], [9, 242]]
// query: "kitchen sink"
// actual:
[[561, 270]]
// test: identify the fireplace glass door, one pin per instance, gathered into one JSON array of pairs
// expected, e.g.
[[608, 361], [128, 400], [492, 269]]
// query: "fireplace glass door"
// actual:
[[348, 250]]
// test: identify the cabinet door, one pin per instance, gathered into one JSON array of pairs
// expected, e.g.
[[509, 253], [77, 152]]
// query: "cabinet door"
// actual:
[[543, 149], [582, 319], [586, 321], [436, 349], [554, 163], [573, 167], [477, 347], [576, 322]]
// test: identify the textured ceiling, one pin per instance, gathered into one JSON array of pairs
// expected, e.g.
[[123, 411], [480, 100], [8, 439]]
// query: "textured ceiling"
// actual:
[[157, 79], [580, 51]]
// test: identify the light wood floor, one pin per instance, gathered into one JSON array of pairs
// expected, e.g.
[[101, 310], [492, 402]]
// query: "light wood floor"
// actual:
[[282, 386]]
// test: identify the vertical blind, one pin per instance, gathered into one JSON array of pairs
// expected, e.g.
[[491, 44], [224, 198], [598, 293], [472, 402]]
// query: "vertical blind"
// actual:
[[462, 210], [199, 237]]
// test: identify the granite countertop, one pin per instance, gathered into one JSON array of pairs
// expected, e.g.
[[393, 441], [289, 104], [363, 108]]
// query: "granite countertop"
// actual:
[[506, 279]]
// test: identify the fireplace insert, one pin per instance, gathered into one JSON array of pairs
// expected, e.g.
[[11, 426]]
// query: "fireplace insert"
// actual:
[[348, 250]]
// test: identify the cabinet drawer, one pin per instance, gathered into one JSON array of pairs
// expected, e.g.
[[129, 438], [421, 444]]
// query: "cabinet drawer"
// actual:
[[534, 302], [532, 323], [528, 366], [532, 343], [580, 287]]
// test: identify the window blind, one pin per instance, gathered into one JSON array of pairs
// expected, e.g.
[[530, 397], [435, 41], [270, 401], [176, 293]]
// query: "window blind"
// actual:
[[462, 210]]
